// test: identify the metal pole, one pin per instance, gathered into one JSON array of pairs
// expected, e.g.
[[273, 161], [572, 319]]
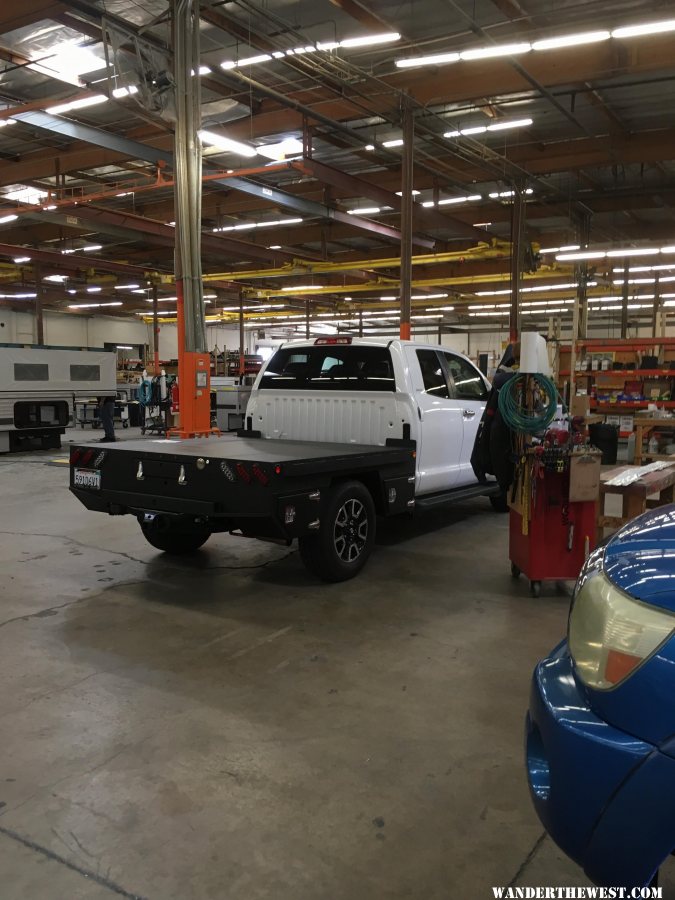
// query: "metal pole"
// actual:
[[624, 299], [39, 293], [360, 323], [155, 329], [517, 256], [406, 217], [657, 304], [242, 338], [307, 318]]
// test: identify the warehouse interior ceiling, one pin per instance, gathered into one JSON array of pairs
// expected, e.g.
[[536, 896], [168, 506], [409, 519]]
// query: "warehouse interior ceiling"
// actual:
[[561, 103]]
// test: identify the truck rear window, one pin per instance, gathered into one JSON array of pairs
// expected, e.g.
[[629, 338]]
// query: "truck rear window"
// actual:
[[353, 367]]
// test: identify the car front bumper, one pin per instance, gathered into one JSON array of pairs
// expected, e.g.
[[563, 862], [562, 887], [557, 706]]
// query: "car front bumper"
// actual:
[[600, 793]]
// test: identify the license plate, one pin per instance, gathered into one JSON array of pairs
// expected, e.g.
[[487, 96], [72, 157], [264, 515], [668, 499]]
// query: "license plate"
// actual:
[[89, 478]]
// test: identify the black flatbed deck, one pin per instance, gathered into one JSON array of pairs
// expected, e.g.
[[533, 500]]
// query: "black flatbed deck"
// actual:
[[260, 450]]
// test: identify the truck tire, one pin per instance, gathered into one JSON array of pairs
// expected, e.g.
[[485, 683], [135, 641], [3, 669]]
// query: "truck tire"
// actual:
[[175, 541], [345, 540]]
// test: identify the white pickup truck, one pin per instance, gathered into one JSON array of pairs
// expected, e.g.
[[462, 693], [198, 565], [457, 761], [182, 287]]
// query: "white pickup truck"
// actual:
[[338, 431]]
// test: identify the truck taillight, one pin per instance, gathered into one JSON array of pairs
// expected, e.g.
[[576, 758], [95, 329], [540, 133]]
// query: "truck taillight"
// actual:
[[75, 454], [610, 633], [243, 473], [87, 457], [259, 474], [332, 340]]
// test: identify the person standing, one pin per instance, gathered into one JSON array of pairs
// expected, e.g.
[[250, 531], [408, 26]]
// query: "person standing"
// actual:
[[106, 414]]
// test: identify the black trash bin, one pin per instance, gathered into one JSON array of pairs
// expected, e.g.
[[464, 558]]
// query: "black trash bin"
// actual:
[[606, 439]]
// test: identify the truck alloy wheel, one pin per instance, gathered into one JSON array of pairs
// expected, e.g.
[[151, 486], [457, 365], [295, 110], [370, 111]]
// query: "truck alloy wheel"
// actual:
[[347, 534]]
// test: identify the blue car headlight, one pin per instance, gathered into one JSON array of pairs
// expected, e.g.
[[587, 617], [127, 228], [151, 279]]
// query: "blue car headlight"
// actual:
[[610, 634]]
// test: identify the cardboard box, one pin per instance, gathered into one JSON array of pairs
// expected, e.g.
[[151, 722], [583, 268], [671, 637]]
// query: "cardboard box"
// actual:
[[585, 477], [581, 405]]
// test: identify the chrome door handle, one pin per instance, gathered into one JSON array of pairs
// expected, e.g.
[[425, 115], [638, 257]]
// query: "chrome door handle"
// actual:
[[468, 413]]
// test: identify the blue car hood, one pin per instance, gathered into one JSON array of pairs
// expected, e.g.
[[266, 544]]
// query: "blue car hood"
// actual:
[[640, 558]]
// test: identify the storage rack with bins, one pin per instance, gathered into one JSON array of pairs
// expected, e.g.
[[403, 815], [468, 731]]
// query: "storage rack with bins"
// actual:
[[626, 351]]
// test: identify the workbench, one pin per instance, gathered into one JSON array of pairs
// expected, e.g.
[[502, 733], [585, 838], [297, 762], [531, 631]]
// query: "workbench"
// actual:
[[637, 497]]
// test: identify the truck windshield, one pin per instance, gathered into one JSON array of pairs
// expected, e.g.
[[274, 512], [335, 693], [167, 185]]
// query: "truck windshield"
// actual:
[[353, 367]]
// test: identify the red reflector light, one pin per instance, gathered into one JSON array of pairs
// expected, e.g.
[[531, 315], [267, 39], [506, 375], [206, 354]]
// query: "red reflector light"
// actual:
[[277, 470], [259, 474], [333, 340], [87, 457], [619, 665], [75, 454], [243, 474]]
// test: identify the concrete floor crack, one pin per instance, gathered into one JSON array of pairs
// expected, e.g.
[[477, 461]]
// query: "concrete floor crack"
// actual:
[[528, 859], [80, 870]]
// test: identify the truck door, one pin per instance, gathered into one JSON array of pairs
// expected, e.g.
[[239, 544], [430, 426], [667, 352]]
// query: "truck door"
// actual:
[[469, 391], [441, 429]]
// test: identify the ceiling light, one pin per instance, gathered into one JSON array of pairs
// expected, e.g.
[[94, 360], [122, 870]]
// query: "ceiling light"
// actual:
[[414, 193], [71, 291], [364, 211], [496, 50], [253, 60], [91, 247], [225, 143], [584, 254], [289, 147], [125, 91], [645, 28], [228, 64], [94, 290], [434, 59], [428, 296], [369, 39], [559, 249], [83, 102], [126, 287], [397, 142], [571, 40], [21, 259], [503, 126], [634, 251], [140, 291], [301, 287], [48, 208], [369, 147], [4, 122], [18, 296], [124, 347], [245, 226], [10, 218], [469, 198], [94, 305], [329, 45], [274, 247], [55, 278], [481, 224]]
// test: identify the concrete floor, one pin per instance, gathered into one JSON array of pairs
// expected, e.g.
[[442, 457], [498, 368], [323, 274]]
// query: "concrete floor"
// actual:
[[226, 727]]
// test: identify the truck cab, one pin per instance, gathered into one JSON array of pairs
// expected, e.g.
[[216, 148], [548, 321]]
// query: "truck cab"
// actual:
[[363, 391]]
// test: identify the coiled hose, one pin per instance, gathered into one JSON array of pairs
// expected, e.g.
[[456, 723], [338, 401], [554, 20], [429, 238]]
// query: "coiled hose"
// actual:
[[532, 417]]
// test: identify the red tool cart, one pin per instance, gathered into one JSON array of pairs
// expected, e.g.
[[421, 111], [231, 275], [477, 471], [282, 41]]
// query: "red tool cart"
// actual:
[[552, 519]]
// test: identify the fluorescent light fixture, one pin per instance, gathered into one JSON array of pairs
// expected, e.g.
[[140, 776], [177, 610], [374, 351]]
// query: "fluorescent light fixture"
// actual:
[[94, 290], [278, 54], [10, 218], [21, 259], [18, 296], [414, 193], [434, 59], [126, 287], [225, 143], [274, 247], [254, 60], [560, 249], [634, 251], [516, 123], [49, 208], [496, 50], [396, 142], [245, 226], [301, 287], [124, 347], [328, 45], [468, 199], [125, 91], [289, 147], [91, 247], [584, 254], [368, 40], [83, 102], [481, 224], [55, 278], [646, 28], [94, 305], [369, 147], [140, 291], [228, 64], [571, 40], [364, 211]]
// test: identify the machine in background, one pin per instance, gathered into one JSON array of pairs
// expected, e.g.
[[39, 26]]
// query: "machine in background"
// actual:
[[39, 387], [231, 398]]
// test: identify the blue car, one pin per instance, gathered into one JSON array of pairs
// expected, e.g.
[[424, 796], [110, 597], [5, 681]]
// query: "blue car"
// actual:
[[600, 732]]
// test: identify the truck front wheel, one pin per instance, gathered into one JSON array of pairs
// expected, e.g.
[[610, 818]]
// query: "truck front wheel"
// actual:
[[341, 547], [174, 539]]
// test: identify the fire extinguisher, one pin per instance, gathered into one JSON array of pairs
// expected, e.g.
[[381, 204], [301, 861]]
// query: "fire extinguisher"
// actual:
[[175, 398]]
